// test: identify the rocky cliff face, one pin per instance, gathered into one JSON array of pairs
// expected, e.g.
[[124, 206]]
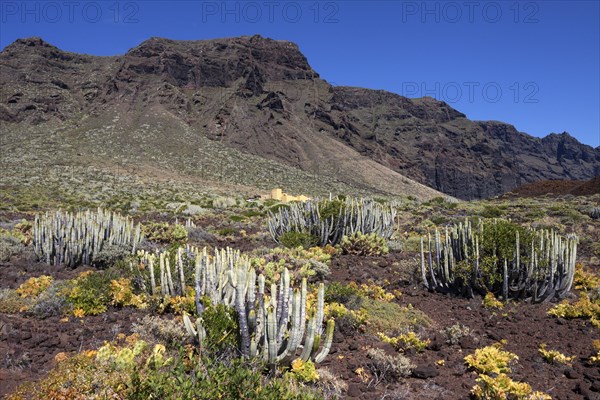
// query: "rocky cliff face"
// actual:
[[261, 97]]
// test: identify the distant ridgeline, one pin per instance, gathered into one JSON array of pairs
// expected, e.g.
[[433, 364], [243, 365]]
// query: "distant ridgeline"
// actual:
[[252, 104]]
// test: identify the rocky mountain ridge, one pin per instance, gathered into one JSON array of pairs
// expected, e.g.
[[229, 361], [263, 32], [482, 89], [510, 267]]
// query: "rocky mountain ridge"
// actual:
[[260, 97]]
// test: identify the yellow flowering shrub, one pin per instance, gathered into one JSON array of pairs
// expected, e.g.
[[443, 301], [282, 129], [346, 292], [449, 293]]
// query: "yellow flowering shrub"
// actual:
[[122, 294], [372, 291], [583, 308], [490, 359], [583, 279], [554, 355], [502, 387], [490, 301], [120, 357], [32, 287], [405, 341], [304, 371], [181, 304]]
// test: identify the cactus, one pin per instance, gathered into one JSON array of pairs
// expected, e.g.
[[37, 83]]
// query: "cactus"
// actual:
[[329, 220], [274, 330], [272, 324], [539, 266], [73, 239], [176, 269]]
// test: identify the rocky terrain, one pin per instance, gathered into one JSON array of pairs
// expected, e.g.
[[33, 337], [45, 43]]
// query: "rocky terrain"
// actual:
[[32, 344], [251, 111], [184, 138], [557, 188]]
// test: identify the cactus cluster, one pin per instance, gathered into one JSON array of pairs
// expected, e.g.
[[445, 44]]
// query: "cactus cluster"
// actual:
[[499, 257], [328, 221], [74, 238], [273, 323]]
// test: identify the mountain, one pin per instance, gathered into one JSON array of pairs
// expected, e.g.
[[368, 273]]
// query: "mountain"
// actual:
[[251, 111]]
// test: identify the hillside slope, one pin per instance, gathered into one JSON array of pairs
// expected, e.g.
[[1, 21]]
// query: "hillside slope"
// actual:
[[251, 111]]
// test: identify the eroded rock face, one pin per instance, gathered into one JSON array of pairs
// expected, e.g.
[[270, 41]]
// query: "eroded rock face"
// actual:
[[262, 97], [428, 141]]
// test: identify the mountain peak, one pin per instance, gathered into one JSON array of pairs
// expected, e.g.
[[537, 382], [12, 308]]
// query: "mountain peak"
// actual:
[[216, 62], [260, 96], [29, 44]]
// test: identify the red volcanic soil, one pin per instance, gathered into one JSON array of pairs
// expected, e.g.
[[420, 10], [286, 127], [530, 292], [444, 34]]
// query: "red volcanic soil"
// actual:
[[28, 345], [557, 188]]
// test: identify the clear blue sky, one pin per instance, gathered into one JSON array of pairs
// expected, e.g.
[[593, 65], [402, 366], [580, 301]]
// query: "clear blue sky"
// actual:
[[535, 64]]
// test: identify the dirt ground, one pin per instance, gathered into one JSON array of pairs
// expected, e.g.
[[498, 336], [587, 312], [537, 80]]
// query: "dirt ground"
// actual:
[[524, 328], [28, 346], [557, 188]]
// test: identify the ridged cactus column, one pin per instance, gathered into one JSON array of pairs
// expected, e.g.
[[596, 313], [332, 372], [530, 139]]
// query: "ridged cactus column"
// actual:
[[273, 325], [73, 239], [353, 215], [541, 270]]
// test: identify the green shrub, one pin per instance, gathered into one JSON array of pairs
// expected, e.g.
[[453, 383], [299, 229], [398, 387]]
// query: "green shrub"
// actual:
[[9, 246], [329, 209], [222, 328], [364, 244], [165, 233], [212, 379], [277, 207], [89, 293], [294, 239], [337, 292], [227, 231], [439, 219], [253, 213], [491, 211], [110, 254], [497, 239], [436, 200], [135, 370]]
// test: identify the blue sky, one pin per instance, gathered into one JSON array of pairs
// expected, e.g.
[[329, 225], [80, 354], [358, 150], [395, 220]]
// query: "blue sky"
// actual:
[[534, 64]]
